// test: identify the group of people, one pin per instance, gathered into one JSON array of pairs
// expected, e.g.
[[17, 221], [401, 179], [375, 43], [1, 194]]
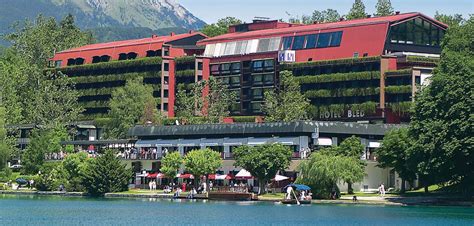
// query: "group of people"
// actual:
[[152, 185], [142, 153], [55, 156]]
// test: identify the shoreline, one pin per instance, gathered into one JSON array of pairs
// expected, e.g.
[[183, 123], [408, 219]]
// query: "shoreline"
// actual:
[[390, 201]]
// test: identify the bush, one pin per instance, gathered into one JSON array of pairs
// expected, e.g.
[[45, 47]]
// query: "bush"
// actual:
[[6, 175]]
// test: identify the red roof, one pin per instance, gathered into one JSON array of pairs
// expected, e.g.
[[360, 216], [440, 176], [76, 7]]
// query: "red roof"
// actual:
[[314, 27], [132, 42]]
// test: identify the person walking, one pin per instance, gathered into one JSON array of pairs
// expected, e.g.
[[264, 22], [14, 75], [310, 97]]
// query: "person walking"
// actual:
[[382, 190]]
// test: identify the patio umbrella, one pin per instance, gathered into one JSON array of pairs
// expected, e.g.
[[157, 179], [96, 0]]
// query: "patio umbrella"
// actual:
[[280, 178], [298, 187], [186, 176], [214, 176], [21, 181], [243, 174], [152, 175]]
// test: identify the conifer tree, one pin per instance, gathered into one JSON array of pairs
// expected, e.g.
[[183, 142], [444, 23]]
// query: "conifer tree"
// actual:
[[357, 11], [383, 8]]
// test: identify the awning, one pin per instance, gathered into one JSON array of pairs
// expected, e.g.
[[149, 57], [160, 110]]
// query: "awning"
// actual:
[[243, 174], [189, 143], [280, 178], [211, 142], [234, 141], [374, 144], [298, 187], [185, 176], [145, 143], [214, 176], [324, 141], [155, 175], [287, 140], [258, 141], [166, 143]]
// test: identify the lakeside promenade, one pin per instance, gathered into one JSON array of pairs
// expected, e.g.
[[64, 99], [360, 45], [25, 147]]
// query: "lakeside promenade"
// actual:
[[392, 200]]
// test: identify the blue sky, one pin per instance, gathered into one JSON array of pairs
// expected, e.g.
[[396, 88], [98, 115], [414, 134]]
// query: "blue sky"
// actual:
[[211, 10]]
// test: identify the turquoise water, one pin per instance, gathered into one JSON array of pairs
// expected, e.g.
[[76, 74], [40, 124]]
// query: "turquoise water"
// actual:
[[34, 210]]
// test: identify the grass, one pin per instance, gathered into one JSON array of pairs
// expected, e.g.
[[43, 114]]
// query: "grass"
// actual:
[[363, 194], [271, 196]]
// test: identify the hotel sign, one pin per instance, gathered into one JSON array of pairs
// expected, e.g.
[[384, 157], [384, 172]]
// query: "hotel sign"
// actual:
[[286, 56], [347, 114]]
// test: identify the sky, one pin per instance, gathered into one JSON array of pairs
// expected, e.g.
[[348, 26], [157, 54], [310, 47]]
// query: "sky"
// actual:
[[212, 10]]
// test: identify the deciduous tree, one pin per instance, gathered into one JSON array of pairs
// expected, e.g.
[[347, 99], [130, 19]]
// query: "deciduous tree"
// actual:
[[325, 16], [442, 122], [171, 163], [127, 106], [221, 27], [286, 103], [263, 161], [450, 20], [395, 153], [202, 162]]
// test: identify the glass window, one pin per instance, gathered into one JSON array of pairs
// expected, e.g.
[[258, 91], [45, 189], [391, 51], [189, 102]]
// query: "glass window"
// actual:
[[209, 50], [122, 56], [426, 33], [287, 41], [257, 93], [79, 61], [268, 79], [299, 42], [132, 55], [263, 45], [235, 80], [268, 64], [311, 41], [151, 53], [274, 44], [336, 38], [323, 40], [257, 79], [199, 65], [95, 59], [225, 80], [166, 67], [240, 47], [256, 107], [235, 68], [230, 48], [257, 66], [225, 69], [215, 69], [71, 61]]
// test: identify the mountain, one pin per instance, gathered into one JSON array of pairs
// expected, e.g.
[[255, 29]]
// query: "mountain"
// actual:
[[119, 19]]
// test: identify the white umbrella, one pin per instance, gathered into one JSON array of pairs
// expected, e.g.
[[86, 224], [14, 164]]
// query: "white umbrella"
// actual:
[[280, 178], [243, 174]]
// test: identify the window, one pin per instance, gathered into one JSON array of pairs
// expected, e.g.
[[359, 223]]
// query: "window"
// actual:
[[104, 58], [242, 28], [257, 93], [215, 69], [58, 63], [274, 44], [210, 50], [268, 79], [165, 93], [165, 107], [230, 48], [241, 47], [299, 42], [235, 68], [263, 45], [323, 40], [356, 55], [416, 32], [336, 39], [95, 59], [225, 69], [287, 41], [257, 66], [71, 62], [122, 56], [132, 55], [166, 66], [235, 80], [268, 64], [149, 53], [257, 79], [311, 41], [167, 52], [79, 61], [199, 65], [256, 107]]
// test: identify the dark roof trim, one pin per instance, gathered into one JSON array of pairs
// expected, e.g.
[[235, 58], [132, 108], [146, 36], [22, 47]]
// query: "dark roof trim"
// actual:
[[262, 128]]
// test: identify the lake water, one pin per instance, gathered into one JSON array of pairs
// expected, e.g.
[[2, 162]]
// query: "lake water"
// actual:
[[34, 210]]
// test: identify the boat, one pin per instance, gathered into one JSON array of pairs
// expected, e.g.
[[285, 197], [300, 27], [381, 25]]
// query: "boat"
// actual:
[[294, 202], [298, 188]]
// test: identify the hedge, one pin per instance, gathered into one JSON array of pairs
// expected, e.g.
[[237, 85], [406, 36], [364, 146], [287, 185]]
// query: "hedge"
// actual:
[[244, 118], [113, 77], [401, 108], [369, 91], [422, 59], [368, 107], [399, 72], [104, 103], [398, 89], [108, 91], [185, 73], [330, 62], [184, 59], [146, 61], [338, 77]]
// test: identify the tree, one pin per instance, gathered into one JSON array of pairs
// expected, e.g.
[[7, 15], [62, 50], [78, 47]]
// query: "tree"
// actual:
[[352, 148], [383, 8], [325, 16], [357, 11], [37, 41], [171, 163], [263, 161], [209, 99], [450, 20], [202, 162], [323, 171], [105, 174], [395, 153], [127, 107], [151, 113], [286, 103], [442, 117], [5, 146], [221, 27], [42, 141], [74, 166]]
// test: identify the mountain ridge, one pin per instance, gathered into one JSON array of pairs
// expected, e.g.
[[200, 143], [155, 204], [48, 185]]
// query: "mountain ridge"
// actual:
[[122, 19]]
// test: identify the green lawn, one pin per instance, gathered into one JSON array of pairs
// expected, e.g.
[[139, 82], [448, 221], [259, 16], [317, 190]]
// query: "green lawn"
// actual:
[[271, 196], [362, 194]]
